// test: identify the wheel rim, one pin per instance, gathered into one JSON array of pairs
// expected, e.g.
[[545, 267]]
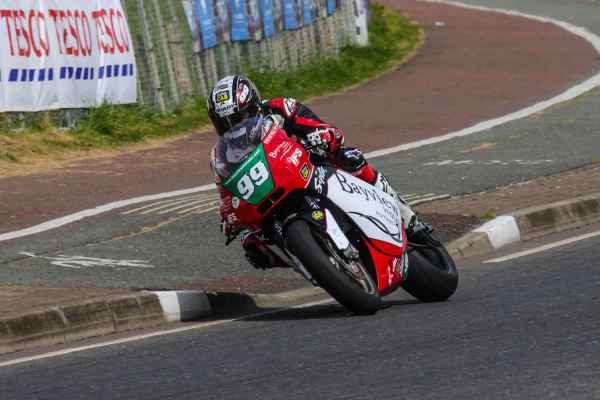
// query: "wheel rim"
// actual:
[[354, 270]]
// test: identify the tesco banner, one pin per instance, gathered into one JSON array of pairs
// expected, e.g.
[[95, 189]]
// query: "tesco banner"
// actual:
[[64, 54]]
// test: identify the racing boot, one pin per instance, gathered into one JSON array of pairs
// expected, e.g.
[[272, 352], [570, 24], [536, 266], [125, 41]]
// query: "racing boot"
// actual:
[[409, 217]]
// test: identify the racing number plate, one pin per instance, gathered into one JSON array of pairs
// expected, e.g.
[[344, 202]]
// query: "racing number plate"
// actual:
[[251, 181]]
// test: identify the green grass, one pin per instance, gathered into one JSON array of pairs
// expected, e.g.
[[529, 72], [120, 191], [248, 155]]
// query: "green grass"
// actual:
[[488, 215], [392, 37]]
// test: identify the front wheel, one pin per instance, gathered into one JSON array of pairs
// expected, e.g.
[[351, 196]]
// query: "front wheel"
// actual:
[[347, 281]]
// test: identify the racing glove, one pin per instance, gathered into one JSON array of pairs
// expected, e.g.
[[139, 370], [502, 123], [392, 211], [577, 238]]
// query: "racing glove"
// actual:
[[230, 230], [323, 138]]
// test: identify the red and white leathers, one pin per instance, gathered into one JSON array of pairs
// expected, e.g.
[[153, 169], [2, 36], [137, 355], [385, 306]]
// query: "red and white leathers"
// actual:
[[298, 120]]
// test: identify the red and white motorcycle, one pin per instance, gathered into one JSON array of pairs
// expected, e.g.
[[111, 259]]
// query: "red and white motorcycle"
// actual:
[[337, 231]]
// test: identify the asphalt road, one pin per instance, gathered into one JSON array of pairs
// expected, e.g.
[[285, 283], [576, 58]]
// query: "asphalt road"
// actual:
[[524, 328], [171, 248]]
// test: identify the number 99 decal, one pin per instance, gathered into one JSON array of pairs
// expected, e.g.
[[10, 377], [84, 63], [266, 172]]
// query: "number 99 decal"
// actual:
[[259, 174]]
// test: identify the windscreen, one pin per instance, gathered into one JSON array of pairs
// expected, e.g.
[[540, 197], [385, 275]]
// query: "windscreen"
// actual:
[[236, 145]]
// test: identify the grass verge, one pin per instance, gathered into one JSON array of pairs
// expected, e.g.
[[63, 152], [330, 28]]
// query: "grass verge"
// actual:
[[392, 38]]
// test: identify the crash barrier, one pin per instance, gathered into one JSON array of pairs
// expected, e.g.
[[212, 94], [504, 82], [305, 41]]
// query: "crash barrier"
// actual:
[[176, 59]]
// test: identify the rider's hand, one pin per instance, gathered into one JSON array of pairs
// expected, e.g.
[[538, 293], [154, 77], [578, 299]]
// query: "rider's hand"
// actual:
[[230, 230], [322, 138]]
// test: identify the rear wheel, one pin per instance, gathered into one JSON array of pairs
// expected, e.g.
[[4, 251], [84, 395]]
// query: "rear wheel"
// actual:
[[432, 274], [345, 279]]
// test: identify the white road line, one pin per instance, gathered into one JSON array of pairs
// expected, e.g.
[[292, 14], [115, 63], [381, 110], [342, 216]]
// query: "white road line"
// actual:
[[166, 206], [161, 333], [570, 94], [543, 248], [201, 211], [424, 199], [56, 223], [163, 202], [196, 203]]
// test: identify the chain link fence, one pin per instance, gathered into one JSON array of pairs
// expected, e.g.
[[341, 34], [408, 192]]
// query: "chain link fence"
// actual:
[[171, 73]]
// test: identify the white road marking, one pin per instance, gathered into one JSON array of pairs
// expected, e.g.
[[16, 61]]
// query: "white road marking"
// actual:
[[487, 162], [161, 333], [196, 204], [425, 199], [56, 223], [543, 248], [570, 94], [203, 210], [166, 206], [163, 202], [82, 261]]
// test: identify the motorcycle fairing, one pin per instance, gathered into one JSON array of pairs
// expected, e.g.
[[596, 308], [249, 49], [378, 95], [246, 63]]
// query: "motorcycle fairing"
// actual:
[[374, 211]]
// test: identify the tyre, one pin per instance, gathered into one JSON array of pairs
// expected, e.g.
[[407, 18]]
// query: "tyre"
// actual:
[[345, 280], [432, 274]]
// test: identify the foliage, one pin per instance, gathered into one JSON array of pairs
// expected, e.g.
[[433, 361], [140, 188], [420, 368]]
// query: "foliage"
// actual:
[[392, 37]]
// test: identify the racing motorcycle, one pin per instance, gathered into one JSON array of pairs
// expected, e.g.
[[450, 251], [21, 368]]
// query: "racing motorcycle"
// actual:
[[334, 229]]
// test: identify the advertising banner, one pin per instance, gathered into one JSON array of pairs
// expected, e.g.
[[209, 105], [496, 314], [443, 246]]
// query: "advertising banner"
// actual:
[[255, 19], [278, 20], [221, 17], [331, 6], [307, 12], [362, 34], [207, 25], [239, 22], [192, 18], [64, 54], [292, 13], [268, 18]]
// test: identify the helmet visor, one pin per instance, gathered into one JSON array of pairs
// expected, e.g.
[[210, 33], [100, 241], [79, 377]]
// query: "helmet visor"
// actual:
[[239, 117]]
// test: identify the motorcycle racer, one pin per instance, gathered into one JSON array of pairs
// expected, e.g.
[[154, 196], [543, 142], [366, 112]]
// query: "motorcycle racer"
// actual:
[[235, 99]]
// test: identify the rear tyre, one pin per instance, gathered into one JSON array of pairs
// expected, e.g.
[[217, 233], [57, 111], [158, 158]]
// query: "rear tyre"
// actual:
[[361, 296], [432, 274]]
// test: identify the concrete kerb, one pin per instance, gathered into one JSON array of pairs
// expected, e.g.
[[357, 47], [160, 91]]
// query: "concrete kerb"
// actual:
[[101, 316], [526, 224]]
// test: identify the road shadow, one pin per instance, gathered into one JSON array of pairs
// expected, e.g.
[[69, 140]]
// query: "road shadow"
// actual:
[[328, 311]]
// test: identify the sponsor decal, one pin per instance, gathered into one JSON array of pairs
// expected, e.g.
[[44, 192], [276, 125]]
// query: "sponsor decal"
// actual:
[[254, 133], [311, 202], [282, 148], [278, 228], [268, 123], [320, 179], [289, 105], [270, 135], [318, 215], [231, 218], [370, 194], [225, 204], [244, 95], [237, 133], [293, 215], [267, 253], [305, 172], [294, 158], [354, 153], [235, 202], [221, 97]]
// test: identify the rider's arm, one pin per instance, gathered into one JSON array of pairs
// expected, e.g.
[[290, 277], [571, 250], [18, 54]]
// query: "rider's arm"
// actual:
[[299, 120]]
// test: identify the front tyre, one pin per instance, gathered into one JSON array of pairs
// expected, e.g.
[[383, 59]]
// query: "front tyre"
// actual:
[[356, 291]]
